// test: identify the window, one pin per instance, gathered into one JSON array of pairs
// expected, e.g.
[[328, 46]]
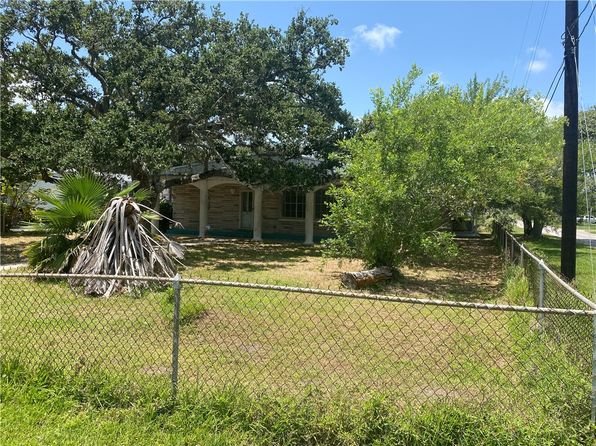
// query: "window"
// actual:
[[321, 203], [294, 204]]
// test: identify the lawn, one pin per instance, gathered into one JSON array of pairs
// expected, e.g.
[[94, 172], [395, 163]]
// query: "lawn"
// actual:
[[269, 340], [549, 248], [586, 227], [291, 346], [474, 276], [12, 245], [45, 407]]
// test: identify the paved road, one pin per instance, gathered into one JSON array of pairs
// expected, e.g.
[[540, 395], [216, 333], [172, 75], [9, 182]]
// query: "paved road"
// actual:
[[583, 237]]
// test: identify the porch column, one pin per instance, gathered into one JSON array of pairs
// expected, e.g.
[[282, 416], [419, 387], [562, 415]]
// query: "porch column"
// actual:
[[257, 214], [203, 205], [309, 218]]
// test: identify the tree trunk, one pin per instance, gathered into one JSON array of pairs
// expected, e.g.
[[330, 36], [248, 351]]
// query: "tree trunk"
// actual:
[[536, 231], [527, 225], [361, 279], [157, 189]]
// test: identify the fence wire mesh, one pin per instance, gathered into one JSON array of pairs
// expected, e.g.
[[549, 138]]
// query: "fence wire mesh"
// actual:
[[549, 290], [292, 341]]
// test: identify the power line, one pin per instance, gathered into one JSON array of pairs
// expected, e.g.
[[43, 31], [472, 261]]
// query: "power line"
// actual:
[[578, 17], [561, 67], [536, 42], [555, 90], [587, 22], [522, 42]]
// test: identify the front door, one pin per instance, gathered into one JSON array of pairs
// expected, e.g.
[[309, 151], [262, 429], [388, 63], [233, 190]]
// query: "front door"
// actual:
[[246, 217]]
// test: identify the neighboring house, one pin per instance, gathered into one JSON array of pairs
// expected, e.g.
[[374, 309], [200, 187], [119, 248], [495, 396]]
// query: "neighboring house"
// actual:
[[213, 202]]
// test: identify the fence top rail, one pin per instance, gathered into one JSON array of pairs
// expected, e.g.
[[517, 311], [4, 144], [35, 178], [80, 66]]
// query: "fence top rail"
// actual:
[[552, 273], [314, 291]]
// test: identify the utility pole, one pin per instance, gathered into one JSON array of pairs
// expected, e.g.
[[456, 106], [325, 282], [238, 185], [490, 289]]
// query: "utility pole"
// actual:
[[570, 133]]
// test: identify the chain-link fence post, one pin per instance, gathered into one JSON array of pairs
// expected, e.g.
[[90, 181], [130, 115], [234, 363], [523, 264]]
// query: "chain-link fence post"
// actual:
[[541, 294], [593, 417], [503, 235], [176, 285], [512, 250]]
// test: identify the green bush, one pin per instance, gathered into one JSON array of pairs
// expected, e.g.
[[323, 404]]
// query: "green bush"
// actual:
[[427, 155]]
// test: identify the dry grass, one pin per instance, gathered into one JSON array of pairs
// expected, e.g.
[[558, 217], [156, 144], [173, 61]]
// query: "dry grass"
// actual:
[[274, 341], [287, 342], [12, 246], [474, 275]]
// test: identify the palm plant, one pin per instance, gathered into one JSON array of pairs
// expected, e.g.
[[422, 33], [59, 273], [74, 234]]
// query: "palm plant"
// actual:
[[75, 205], [119, 244]]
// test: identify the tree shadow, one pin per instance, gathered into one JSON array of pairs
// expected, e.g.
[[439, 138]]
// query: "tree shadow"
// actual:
[[234, 254], [474, 275], [12, 246]]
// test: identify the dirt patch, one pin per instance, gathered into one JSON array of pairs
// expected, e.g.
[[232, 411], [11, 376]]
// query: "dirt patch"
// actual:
[[12, 246], [474, 275]]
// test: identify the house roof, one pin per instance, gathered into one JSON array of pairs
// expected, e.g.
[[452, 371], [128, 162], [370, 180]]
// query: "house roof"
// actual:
[[195, 171]]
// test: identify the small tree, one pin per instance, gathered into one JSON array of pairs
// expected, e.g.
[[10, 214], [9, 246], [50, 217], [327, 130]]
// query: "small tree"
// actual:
[[120, 245], [425, 157], [16, 204]]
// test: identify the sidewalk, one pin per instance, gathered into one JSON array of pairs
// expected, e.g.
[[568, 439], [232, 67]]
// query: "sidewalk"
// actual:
[[583, 237]]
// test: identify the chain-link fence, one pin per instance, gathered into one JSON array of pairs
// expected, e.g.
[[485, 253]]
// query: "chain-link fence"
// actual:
[[549, 290], [205, 335]]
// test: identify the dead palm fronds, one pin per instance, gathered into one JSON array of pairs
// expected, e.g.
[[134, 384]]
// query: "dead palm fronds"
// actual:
[[120, 245]]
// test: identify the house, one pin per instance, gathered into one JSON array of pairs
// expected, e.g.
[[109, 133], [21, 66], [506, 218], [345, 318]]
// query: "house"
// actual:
[[213, 202]]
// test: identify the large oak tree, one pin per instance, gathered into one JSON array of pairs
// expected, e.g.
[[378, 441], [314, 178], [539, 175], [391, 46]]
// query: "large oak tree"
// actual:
[[137, 88]]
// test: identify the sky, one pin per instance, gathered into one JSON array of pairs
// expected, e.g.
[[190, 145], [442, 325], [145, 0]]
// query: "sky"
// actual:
[[453, 39]]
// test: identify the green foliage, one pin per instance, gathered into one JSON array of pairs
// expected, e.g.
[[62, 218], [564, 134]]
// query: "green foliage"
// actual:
[[135, 88], [77, 202], [16, 204], [430, 155], [52, 405], [52, 253]]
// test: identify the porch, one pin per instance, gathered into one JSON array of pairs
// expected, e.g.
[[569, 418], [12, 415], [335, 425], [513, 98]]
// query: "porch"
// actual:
[[222, 206]]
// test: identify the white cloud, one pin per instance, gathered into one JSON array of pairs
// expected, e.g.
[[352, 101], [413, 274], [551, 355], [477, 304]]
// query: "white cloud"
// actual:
[[539, 61], [536, 66], [541, 53], [555, 109], [379, 36]]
